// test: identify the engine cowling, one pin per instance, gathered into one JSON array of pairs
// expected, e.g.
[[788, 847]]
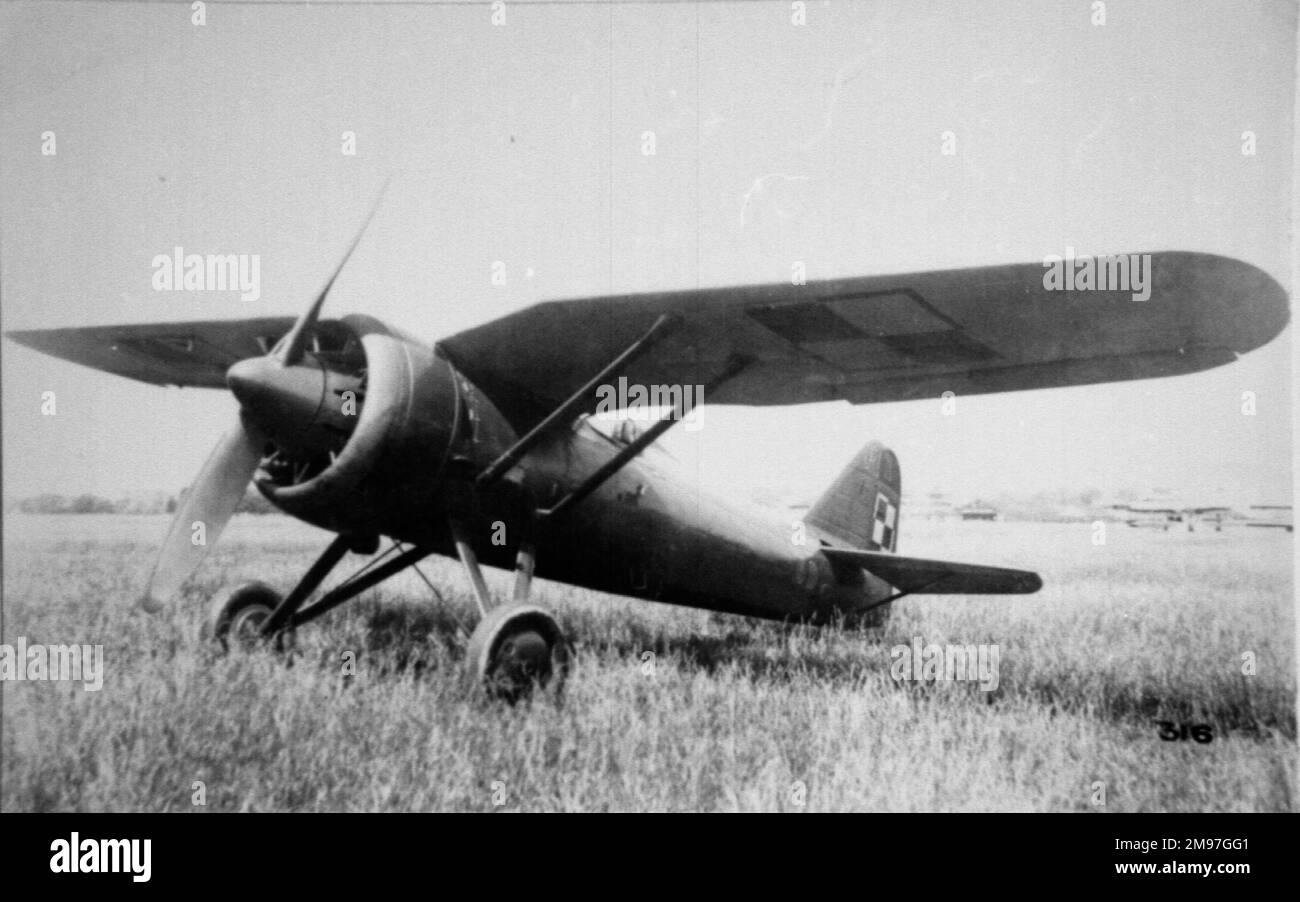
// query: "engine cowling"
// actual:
[[378, 442]]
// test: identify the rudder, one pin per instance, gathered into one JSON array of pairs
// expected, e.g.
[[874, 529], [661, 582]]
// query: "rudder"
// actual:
[[861, 507]]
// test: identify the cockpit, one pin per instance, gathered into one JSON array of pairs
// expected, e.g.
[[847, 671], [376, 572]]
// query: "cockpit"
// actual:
[[622, 431]]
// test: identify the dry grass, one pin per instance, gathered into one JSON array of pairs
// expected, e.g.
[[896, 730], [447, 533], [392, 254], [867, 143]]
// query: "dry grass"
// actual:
[[1150, 626]]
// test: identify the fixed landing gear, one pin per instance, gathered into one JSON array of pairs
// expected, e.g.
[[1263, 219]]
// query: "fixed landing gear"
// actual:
[[516, 647], [235, 618]]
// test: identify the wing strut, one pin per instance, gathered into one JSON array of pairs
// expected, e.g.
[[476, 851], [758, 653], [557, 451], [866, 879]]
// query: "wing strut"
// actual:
[[662, 326], [643, 441]]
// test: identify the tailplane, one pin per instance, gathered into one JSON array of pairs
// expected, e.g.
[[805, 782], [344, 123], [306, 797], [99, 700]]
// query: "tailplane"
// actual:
[[919, 576]]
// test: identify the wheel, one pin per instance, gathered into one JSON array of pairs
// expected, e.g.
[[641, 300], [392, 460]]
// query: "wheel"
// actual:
[[236, 617], [517, 648]]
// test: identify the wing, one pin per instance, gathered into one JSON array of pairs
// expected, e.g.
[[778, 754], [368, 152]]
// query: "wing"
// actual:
[[883, 338], [926, 577], [187, 354]]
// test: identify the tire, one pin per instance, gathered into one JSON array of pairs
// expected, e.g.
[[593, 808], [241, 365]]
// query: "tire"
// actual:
[[516, 649], [235, 617]]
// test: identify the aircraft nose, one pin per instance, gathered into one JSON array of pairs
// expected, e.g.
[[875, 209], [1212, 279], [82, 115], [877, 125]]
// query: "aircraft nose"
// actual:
[[250, 380], [282, 400]]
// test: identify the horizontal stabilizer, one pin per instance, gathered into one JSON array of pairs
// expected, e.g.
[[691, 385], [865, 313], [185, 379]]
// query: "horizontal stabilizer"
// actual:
[[919, 576]]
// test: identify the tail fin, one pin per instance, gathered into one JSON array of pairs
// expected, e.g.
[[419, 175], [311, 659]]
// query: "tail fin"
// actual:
[[861, 507]]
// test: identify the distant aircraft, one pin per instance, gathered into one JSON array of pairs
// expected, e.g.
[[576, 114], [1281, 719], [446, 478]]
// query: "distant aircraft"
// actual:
[[1159, 512], [978, 510], [480, 446], [1271, 516]]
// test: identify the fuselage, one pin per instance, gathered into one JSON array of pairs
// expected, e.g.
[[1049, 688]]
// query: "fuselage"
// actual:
[[648, 531], [653, 532]]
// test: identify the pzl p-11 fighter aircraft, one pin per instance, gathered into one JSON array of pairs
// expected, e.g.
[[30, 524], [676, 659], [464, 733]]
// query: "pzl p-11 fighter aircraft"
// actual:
[[480, 446]]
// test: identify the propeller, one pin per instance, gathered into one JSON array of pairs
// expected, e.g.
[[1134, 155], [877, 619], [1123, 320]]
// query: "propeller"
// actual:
[[221, 484], [204, 513], [290, 349]]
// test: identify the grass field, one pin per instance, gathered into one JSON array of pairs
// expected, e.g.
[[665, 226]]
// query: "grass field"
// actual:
[[728, 714]]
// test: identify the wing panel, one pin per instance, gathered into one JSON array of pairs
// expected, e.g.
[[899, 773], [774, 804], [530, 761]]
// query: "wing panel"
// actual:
[[193, 354], [885, 338]]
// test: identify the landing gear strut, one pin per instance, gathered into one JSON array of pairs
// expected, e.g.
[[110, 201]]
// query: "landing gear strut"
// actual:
[[515, 648]]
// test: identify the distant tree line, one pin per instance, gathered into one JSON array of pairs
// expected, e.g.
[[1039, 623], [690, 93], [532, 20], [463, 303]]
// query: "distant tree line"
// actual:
[[64, 504], [159, 503]]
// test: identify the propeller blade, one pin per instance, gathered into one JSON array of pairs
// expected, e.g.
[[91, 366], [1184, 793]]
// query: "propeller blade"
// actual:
[[211, 501], [292, 345]]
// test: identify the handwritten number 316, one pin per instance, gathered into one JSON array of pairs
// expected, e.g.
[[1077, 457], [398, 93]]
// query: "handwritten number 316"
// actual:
[[1174, 732]]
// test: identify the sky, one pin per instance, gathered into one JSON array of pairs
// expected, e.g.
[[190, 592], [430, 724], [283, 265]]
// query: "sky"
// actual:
[[522, 142]]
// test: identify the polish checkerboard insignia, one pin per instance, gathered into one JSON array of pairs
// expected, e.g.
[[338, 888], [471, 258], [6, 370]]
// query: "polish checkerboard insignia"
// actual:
[[882, 532]]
